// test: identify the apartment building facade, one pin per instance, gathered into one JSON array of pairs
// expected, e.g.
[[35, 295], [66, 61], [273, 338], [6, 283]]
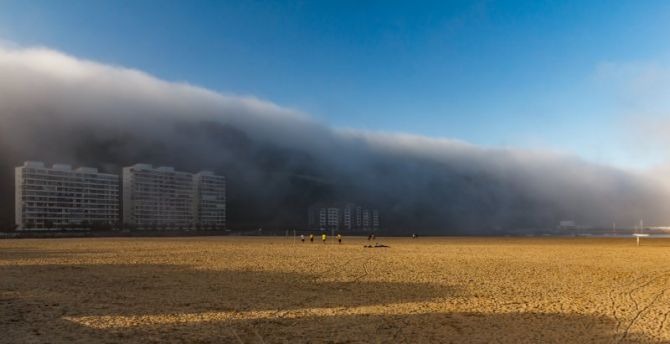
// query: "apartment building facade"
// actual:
[[60, 197], [164, 198], [210, 200], [157, 197]]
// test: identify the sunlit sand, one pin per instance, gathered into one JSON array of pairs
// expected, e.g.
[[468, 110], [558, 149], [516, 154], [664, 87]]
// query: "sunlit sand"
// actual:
[[276, 290]]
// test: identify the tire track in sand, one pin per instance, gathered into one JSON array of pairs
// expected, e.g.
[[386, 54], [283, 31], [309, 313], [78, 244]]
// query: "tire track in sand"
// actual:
[[639, 309]]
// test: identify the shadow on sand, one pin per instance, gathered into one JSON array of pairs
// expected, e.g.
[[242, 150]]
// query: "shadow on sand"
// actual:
[[35, 300], [407, 328], [14, 254]]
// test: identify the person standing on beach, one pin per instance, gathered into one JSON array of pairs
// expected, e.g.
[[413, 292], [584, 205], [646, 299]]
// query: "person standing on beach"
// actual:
[[339, 238], [302, 237], [311, 238], [323, 237]]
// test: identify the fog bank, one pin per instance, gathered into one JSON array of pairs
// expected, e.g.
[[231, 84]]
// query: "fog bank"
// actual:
[[57, 108]]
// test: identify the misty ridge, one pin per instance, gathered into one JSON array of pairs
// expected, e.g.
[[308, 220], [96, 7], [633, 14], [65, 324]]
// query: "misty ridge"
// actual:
[[278, 161]]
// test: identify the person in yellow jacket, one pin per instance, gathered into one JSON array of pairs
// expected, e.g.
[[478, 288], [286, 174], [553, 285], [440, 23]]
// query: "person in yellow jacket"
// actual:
[[323, 237]]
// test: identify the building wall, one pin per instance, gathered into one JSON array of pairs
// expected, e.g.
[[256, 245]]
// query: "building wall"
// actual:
[[165, 198], [60, 197], [318, 217], [157, 197], [126, 200], [366, 219], [359, 217], [346, 217], [333, 218], [210, 200], [18, 197]]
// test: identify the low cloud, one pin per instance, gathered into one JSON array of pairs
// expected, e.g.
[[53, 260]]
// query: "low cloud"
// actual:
[[57, 108]]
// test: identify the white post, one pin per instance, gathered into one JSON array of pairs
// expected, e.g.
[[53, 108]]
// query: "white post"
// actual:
[[638, 241]]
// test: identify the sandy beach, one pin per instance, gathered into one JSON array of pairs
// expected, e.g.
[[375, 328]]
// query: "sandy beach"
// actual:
[[277, 290]]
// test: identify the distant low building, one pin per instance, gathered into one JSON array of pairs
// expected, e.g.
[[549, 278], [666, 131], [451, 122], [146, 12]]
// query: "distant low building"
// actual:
[[60, 197], [567, 224], [343, 217]]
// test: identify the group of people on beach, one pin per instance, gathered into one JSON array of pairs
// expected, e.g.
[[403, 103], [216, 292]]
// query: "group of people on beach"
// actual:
[[371, 237], [324, 238]]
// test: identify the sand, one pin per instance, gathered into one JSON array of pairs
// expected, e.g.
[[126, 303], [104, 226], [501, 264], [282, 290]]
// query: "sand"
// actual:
[[272, 290]]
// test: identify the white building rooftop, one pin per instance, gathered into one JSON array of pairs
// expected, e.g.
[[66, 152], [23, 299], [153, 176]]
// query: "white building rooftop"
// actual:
[[33, 164], [87, 169], [62, 167]]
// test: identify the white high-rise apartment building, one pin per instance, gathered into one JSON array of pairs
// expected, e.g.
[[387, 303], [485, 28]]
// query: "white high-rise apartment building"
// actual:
[[157, 197], [164, 198], [60, 197], [210, 200]]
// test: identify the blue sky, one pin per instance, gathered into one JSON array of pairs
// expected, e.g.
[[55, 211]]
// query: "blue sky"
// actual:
[[536, 74]]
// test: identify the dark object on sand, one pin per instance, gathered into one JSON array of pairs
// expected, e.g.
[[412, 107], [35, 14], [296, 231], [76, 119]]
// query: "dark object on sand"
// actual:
[[377, 245]]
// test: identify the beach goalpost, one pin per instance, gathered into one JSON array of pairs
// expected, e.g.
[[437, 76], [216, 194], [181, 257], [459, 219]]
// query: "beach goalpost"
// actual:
[[640, 234]]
